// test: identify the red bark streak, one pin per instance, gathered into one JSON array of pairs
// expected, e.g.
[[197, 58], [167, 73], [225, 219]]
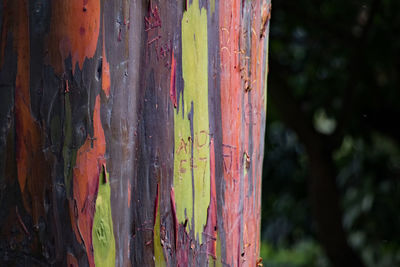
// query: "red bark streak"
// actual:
[[71, 260], [66, 87], [21, 222], [89, 162], [236, 84], [231, 111], [156, 206], [172, 87], [175, 218]]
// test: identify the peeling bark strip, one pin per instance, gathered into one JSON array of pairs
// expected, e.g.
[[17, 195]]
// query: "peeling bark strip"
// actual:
[[172, 90], [132, 133]]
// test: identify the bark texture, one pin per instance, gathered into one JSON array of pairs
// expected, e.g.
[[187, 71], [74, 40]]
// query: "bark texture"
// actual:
[[132, 132]]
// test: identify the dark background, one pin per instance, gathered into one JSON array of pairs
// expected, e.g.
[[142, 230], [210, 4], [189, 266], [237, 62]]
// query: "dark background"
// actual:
[[331, 188]]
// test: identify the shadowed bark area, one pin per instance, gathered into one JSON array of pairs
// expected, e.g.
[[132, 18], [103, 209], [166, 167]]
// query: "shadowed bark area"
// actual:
[[132, 132]]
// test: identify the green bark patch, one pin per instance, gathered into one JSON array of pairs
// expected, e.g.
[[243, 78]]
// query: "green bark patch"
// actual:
[[103, 235], [69, 154], [158, 250], [192, 151]]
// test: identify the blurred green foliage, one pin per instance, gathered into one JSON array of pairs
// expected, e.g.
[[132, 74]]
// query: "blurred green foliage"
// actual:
[[303, 254], [340, 61]]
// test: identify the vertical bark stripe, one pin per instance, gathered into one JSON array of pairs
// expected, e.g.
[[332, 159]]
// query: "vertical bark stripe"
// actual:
[[210, 231], [86, 173], [192, 153], [158, 240], [255, 114], [231, 113], [105, 68], [29, 144], [26, 127]]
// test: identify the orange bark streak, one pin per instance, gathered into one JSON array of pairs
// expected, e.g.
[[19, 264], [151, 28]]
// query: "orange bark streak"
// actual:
[[29, 149], [74, 30], [105, 76], [129, 194], [89, 162]]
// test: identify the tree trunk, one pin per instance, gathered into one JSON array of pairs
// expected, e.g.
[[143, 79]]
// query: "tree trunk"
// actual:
[[131, 132]]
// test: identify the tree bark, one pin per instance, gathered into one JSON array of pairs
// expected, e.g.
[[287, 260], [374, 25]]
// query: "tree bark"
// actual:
[[132, 132]]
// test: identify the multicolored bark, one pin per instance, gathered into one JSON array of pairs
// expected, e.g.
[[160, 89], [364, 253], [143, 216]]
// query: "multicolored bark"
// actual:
[[132, 133]]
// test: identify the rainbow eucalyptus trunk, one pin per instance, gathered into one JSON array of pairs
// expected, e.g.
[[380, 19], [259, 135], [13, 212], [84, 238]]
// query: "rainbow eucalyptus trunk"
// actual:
[[131, 132]]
